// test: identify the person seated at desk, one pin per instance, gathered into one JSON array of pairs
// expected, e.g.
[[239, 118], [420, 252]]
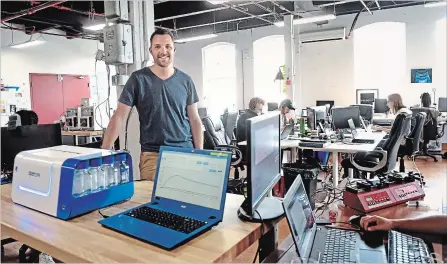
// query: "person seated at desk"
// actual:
[[285, 106], [255, 108], [396, 106], [428, 224], [426, 100]]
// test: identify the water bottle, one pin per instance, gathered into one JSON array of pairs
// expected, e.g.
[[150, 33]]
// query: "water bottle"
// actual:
[[108, 171], [112, 171], [87, 179], [102, 178], [78, 179], [93, 171], [123, 167]]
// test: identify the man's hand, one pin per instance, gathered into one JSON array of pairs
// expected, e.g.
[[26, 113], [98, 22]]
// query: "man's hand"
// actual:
[[115, 124], [381, 223]]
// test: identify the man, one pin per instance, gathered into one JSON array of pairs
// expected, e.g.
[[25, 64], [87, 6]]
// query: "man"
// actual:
[[285, 106], [428, 224], [166, 100], [255, 108]]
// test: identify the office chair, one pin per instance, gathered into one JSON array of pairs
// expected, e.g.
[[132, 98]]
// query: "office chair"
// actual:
[[28, 117], [412, 142], [382, 159], [216, 138], [366, 112], [229, 121], [431, 131], [202, 112]]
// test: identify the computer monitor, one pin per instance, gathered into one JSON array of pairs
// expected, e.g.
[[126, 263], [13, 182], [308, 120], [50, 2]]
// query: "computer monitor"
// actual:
[[320, 113], [442, 104], [263, 168], [27, 138], [341, 115], [311, 118], [272, 107], [322, 102], [381, 106]]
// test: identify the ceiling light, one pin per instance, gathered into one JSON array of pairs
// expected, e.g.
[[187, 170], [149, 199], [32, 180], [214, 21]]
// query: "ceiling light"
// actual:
[[95, 27], [436, 4], [27, 44], [216, 2], [207, 36], [307, 20]]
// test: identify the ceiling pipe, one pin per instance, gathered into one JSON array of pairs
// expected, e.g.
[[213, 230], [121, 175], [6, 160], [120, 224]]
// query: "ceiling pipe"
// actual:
[[377, 3], [366, 7], [249, 14], [88, 13], [337, 3], [282, 7], [32, 10], [202, 12], [265, 8]]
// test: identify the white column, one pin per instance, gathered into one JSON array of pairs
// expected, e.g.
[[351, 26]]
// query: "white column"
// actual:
[[141, 16], [289, 55]]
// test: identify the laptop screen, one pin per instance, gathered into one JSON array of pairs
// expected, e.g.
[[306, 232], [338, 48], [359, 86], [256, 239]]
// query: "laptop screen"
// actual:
[[190, 177], [300, 217]]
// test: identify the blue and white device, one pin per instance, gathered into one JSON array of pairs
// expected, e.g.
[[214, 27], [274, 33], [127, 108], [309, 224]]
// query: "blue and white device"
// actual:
[[67, 181]]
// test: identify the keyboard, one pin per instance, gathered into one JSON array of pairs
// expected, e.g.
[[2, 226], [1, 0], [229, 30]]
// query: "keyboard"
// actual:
[[169, 220], [339, 245], [404, 248], [363, 141]]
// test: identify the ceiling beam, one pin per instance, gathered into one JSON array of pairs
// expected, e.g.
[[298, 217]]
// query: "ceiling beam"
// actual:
[[248, 13], [32, 10], [366, 7], [337, 3]]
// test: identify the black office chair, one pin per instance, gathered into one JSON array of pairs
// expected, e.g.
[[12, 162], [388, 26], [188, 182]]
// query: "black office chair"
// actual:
[[216, 138], [383, 159], [366, 112], [431, 131], [412, 142], [28, 117], [229, 121]]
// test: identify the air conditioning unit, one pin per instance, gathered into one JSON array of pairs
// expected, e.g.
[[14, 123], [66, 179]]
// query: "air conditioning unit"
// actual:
[[323, 35]]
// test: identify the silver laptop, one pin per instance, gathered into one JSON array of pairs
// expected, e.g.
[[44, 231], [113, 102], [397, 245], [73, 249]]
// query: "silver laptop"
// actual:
[[322, 244]]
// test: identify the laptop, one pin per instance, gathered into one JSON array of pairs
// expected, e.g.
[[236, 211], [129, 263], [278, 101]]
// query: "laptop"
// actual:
[[322, 244], [188, 198], [286, 131]]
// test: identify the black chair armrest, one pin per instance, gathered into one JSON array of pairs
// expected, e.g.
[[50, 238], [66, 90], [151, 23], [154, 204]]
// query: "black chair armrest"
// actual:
[[237, 154], [381, 163], [441, 129]]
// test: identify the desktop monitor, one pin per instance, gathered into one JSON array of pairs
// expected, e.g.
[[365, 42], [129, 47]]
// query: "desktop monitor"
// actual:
[[341, 115], [272, 107], [442, 104], [320, 113], [381, 106], [27, 138], [263, 168], [322, 103], [311, 118]]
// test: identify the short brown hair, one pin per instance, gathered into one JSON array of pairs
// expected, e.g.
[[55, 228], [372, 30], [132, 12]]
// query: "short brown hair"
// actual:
[[162, 31], [397, 102], [254, 101]]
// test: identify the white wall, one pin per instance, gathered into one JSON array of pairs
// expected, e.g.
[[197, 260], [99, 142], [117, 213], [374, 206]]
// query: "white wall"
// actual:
[[327, 68], [57, 55]]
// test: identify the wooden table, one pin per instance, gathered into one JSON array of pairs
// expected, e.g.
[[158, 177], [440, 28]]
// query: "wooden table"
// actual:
[[89, 134], [84, 240]]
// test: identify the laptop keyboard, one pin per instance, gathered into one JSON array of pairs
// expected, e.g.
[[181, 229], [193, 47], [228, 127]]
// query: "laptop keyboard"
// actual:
[[404, 248], [339, 245], [169, 220]]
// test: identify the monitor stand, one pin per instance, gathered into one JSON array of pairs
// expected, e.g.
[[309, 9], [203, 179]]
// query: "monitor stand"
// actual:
[[270, 208]]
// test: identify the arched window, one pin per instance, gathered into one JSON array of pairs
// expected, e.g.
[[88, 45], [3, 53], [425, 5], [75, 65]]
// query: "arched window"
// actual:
[[268, 54], [380, 57], [219, 77]]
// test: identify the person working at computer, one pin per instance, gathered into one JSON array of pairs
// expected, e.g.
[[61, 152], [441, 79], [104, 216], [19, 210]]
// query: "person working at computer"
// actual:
[[166, 100], [396, 105], [285, 106], [255, 108], [425, 100], [427, 224]]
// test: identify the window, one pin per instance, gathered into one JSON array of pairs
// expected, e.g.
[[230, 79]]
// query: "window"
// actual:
[[380, 57], [269, 56], [219, 77]]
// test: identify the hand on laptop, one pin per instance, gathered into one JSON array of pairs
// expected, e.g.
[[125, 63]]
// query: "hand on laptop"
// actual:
[[376, 223]]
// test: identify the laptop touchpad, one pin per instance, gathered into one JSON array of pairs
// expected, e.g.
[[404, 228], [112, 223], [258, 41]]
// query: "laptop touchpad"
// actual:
[[371, 256]]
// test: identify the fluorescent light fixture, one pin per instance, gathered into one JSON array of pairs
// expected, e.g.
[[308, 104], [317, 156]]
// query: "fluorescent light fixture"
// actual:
[[95, 27], [216, 2], [308, 20], [207, 36], [436, 4], [27, 44]]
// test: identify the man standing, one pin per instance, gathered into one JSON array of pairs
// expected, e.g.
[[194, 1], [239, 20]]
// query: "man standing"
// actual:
[[166, 100]]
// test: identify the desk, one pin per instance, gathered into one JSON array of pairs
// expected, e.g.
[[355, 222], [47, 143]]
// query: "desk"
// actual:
[[83, 133], [340, 147], [84, 240]]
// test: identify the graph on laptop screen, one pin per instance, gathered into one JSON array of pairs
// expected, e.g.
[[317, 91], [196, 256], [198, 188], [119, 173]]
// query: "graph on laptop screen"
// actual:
[[192, 178]]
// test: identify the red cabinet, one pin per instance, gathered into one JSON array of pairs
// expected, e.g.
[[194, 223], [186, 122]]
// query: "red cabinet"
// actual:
[[52, 94]]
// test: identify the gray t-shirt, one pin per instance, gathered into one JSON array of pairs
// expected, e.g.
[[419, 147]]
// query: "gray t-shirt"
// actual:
[[161, 106]]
